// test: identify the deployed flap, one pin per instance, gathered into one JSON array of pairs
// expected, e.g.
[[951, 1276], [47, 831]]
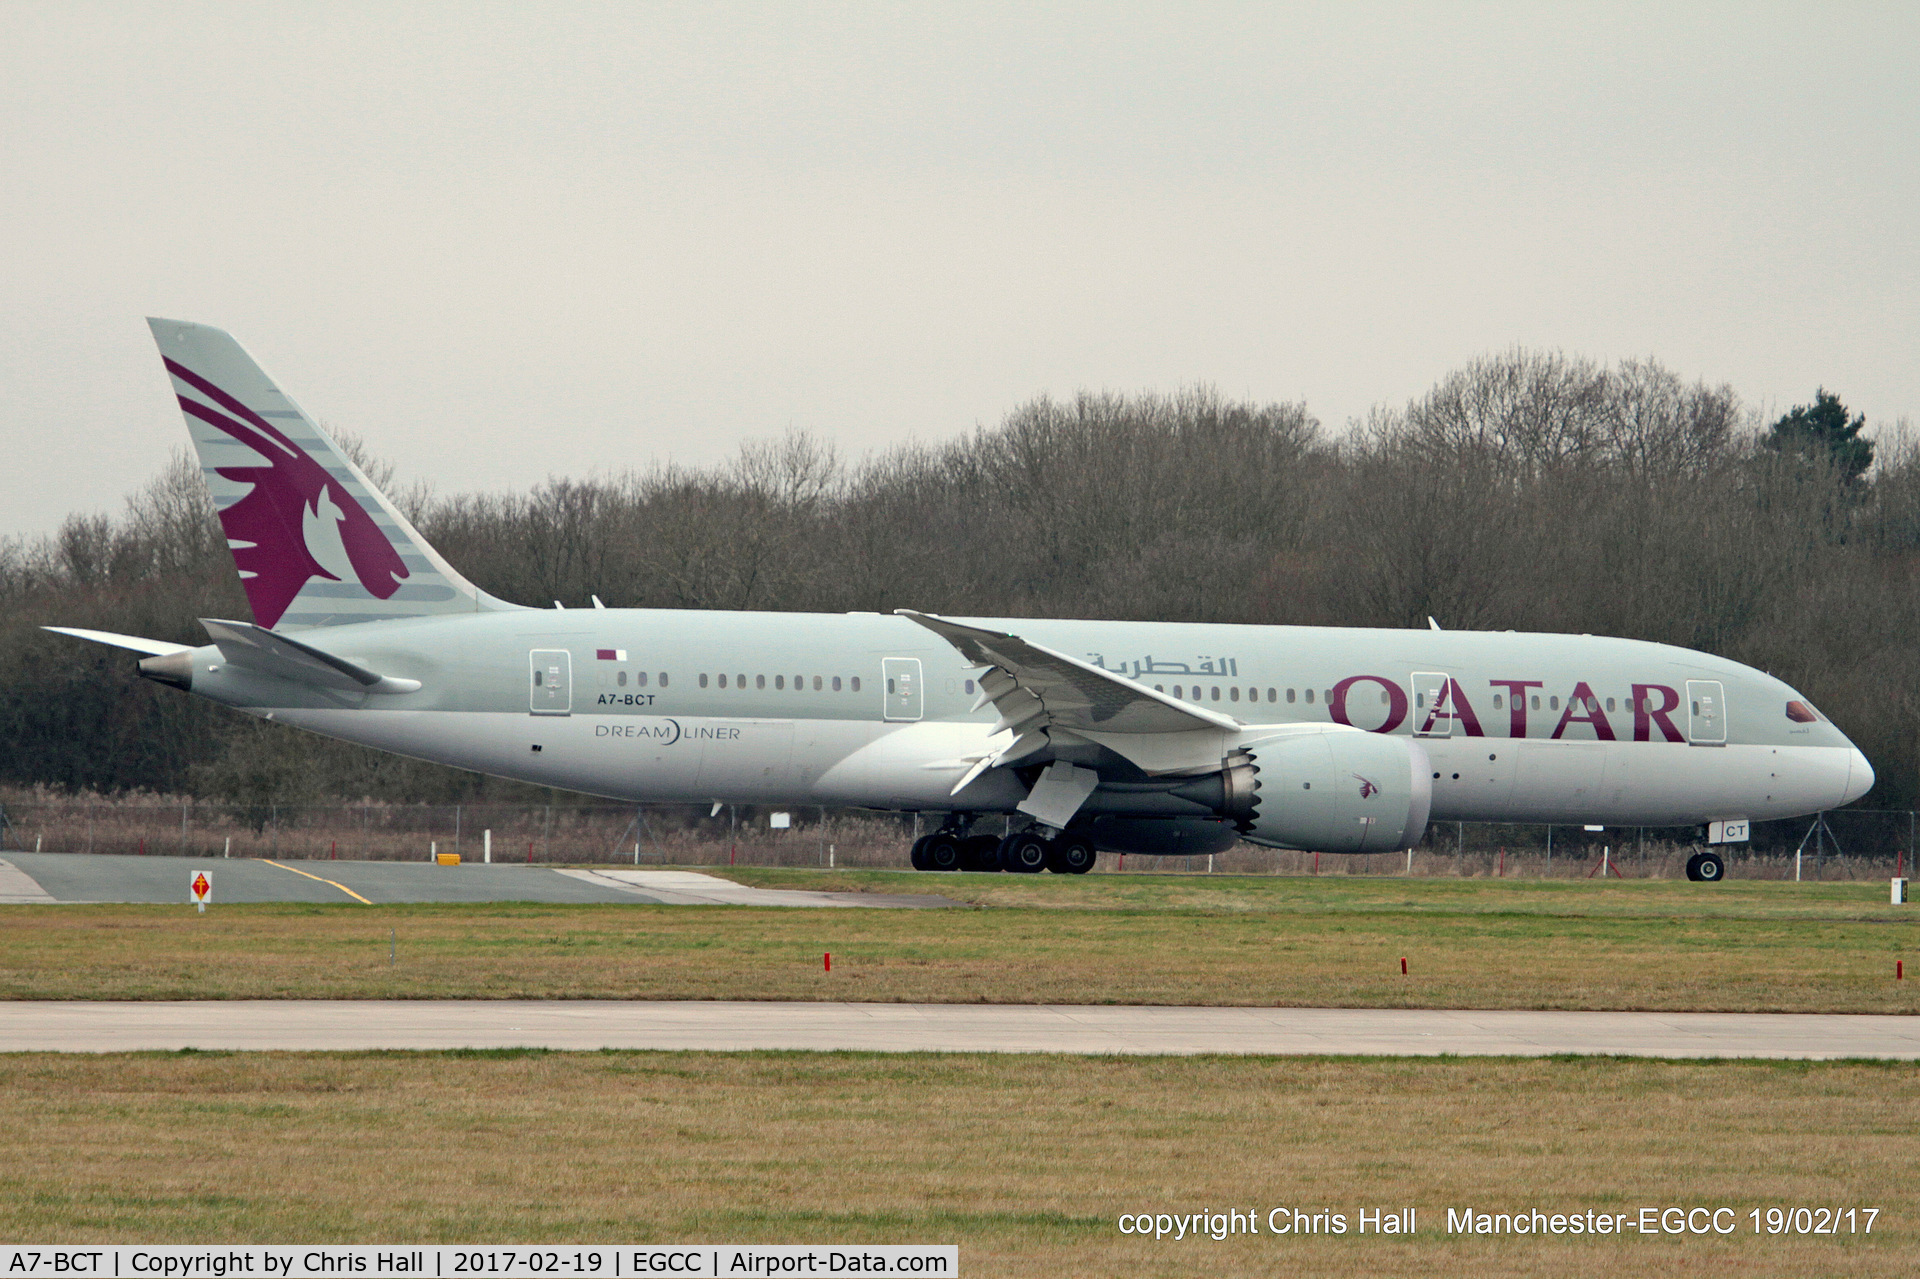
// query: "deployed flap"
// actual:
[[255, 648], [1057, 796], [1039, 688], [155, 648]]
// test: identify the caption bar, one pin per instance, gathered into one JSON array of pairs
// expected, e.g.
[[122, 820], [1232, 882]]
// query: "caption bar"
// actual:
[[378, 1261]]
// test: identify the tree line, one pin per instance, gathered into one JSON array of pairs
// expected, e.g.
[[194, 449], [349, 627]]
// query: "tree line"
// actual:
[[1528, 490]]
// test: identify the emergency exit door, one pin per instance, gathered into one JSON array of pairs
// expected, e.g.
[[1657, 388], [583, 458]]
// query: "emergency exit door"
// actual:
[[900, 676], [550, 681]]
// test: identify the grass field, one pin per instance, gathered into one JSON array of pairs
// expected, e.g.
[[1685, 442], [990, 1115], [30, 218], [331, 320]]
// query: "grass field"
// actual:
[[1026, 1162], [1093, 939]]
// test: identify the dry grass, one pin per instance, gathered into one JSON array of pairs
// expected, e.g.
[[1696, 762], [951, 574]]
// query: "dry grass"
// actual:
[[1025, 1161], [1160, 940], [1864, 901]]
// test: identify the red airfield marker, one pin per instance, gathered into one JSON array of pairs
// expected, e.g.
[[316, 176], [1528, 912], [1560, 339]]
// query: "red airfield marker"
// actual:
[[828, 958]]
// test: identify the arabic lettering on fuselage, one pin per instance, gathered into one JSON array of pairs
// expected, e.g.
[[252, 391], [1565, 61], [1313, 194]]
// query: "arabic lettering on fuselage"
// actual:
[[1136, 668]]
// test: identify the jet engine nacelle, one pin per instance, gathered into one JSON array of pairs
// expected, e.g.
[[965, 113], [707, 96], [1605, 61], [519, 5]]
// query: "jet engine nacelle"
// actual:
[[1333, 792]]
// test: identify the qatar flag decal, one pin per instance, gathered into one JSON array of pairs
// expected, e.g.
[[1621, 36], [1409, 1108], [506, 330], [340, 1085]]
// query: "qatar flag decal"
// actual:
[[611, 654]]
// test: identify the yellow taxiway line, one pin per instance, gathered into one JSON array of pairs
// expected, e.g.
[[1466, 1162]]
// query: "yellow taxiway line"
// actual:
[[342, 887]]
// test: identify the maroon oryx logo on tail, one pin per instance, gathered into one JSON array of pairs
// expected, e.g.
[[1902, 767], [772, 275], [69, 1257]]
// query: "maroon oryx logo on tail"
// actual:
[[297, 522], [1368, 788]]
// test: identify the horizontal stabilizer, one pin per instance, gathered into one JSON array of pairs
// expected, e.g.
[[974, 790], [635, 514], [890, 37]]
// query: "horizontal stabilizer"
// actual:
[[255, 648], [153, 648]]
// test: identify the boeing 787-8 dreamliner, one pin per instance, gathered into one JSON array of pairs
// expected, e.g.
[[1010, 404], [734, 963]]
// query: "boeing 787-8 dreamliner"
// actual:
[[1074, 736]]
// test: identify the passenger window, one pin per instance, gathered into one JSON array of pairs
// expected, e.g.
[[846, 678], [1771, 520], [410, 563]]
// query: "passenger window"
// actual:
[[1233, 694], [816, 683], [703, 681], [622, 679], [1496, 702], [779, 681], [1326, 695], [836, 683], [723, 681], [1216, 692], [1553, 703], [640, 679], [1536, 701], [1273, 694], [759, 681], [855, 683], [663, 679], [969, 686], [537, 678], [1158, 689], [1289, 695], [1609, 703], [889, 686], [1309, 697], [740, 681]]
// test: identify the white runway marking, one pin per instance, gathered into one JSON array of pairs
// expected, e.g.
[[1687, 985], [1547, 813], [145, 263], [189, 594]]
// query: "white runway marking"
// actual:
[[18, 888], [690, 888], [306, 1025]]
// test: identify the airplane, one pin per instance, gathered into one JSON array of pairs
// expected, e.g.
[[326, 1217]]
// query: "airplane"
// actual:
[[1036, 743]]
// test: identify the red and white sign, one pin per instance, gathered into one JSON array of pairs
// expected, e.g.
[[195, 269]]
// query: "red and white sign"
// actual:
[[201, 888], [611, 654]]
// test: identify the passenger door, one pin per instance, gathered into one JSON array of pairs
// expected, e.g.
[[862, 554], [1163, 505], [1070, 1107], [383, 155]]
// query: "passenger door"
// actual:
[[900, 676], [550, 681], [1432, 715], [1706, 713]]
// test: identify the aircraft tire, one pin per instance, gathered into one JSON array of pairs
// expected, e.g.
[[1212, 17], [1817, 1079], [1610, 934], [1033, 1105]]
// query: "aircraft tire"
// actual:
[[980, 852], [1706, 868], [943, 852], [917, 855], [1071, 855], [1025, 853]]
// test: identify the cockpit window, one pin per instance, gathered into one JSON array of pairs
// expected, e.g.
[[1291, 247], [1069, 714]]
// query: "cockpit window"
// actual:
[[1801, 713]]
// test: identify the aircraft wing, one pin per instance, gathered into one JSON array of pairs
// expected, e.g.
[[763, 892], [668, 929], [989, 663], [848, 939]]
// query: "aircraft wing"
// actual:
[[1028, 680], [1043, 694]]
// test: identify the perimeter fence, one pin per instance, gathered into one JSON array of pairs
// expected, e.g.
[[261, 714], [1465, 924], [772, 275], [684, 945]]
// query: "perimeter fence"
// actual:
[[1848, 844]]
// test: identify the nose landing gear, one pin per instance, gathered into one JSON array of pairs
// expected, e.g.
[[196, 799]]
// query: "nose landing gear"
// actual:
[[1706, 868]]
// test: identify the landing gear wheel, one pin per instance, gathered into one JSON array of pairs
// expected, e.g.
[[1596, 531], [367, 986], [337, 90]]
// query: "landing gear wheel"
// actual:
[[918, 856], [941, 852], [1071, 855], [1025, 853], [1706, 868], [979, 852]]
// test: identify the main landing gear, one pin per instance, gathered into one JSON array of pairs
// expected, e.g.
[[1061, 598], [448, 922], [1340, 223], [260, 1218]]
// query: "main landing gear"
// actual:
[[1024, 852]]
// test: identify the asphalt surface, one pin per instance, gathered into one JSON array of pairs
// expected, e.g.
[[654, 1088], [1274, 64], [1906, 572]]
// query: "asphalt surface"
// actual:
[[85, 877], [307, 1025]]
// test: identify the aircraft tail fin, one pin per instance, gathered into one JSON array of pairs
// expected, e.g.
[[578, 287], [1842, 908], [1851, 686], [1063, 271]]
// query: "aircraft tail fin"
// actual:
[[315, 543]]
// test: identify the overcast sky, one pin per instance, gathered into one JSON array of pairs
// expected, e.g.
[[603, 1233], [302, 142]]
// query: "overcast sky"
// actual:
[[507, 241]]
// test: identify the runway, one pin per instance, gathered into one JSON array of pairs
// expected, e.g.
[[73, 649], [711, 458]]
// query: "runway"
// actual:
[[315, 1025], [44, 878]]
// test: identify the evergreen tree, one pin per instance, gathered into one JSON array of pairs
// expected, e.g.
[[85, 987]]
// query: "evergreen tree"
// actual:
[[1822, 429]]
